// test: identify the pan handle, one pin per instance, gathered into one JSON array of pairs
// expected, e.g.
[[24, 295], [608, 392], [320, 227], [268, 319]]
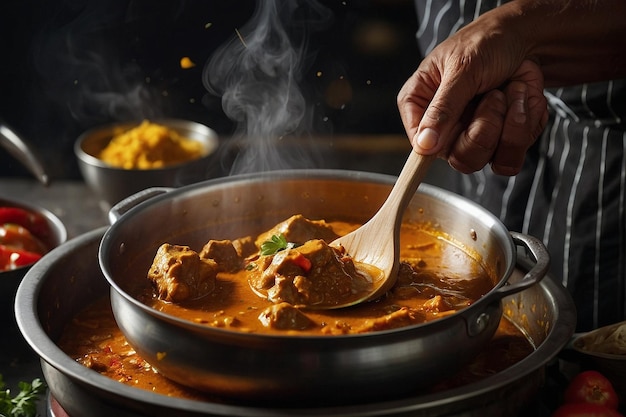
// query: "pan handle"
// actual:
[[538, 252], [119, 209], [479, 321]]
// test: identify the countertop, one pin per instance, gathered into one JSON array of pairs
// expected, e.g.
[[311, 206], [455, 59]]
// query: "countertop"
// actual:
[[70, 200]]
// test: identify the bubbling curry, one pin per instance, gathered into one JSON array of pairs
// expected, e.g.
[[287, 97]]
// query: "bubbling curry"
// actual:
[[268, 283], [94, 340]]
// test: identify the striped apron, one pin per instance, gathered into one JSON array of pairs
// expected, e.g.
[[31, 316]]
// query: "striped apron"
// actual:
[[571, 192]]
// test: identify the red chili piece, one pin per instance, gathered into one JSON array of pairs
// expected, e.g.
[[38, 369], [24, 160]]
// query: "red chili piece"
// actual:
[[302, 261], [34, 222], [11, 258]]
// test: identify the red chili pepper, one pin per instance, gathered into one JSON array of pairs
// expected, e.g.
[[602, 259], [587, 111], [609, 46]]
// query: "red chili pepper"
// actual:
[[19, 237], [302, 261], [34, 222], [11, 258]]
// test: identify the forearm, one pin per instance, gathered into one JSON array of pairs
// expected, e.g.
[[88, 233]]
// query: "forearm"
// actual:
[[573, 41]]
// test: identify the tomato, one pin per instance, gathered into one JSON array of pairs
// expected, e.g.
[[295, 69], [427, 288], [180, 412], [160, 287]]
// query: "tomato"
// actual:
[[591, 387], [585, 410]]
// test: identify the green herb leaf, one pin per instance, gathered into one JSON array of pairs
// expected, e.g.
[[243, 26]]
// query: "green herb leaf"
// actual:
[[24, 404], [274, 245]]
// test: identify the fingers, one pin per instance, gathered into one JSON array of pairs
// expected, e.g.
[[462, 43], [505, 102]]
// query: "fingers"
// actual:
[[516, 133], [434, 107], [413, 100], [525, 119], [441, 121], [475, 146], [432, 101]]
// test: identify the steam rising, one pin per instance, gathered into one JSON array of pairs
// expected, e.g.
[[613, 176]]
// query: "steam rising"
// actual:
[[258, 74], [85, 72]]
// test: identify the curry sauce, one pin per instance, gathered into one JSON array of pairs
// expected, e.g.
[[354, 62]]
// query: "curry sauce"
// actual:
[[437, 277], [94, 340]]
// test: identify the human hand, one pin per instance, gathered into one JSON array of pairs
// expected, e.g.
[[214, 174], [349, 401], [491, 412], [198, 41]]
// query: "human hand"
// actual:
[[475, 101]]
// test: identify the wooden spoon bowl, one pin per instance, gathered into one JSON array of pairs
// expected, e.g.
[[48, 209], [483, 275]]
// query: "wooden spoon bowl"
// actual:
[[377, 242]]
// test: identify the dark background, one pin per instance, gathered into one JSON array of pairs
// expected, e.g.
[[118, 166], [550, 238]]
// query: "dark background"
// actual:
[[69, 65]]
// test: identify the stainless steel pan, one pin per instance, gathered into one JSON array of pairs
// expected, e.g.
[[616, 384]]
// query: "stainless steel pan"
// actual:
[[256, 367]]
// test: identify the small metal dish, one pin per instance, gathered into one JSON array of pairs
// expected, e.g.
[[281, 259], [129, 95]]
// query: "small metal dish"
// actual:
[[112, 184], [593, 355], [57, 234]]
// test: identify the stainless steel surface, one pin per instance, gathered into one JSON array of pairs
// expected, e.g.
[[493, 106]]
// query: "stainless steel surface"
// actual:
[[113, 184], [23, 152], [244, 365], [70, 278]]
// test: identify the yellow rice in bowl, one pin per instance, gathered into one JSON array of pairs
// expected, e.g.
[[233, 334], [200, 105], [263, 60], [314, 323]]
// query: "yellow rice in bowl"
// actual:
[[150, 146]]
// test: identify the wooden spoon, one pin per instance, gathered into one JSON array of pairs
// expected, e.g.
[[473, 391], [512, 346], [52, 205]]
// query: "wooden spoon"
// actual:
[[377, 242]]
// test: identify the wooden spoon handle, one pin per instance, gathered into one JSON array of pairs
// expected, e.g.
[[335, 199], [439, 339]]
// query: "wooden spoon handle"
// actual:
[[379, 239], [406, 185]]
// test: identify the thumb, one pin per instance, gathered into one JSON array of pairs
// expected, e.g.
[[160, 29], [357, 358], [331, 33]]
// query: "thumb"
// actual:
[[426, 141], [441, 123]]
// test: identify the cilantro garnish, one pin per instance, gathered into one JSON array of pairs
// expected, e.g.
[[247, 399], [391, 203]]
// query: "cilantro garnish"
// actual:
[[275, 245], [24, 404]]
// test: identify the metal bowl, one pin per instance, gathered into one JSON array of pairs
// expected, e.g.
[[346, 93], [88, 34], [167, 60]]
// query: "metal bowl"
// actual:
[[249, 366], [612, 365], [10, 280], [69, 278], [112, 184]]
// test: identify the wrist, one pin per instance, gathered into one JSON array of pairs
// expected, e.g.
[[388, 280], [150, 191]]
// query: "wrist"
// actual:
[[568, 39]]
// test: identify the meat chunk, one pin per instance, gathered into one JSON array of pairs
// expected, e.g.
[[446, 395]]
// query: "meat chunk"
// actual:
[[437, 304], [307, 275], [401, 318], [284, 316], [298, 229], [245, 246], [223, 253], [178, 273]]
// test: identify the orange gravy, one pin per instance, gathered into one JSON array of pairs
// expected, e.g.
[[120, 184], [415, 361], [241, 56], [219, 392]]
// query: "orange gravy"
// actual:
[[437, 278], [94, 340]]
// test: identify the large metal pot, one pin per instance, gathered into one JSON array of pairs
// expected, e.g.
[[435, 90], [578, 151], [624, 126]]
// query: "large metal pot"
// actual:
[[301, 369], [69, 278]]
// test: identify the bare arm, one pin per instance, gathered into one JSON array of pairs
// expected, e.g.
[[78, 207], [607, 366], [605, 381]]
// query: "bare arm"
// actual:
[[574, 41], [478, 97]]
